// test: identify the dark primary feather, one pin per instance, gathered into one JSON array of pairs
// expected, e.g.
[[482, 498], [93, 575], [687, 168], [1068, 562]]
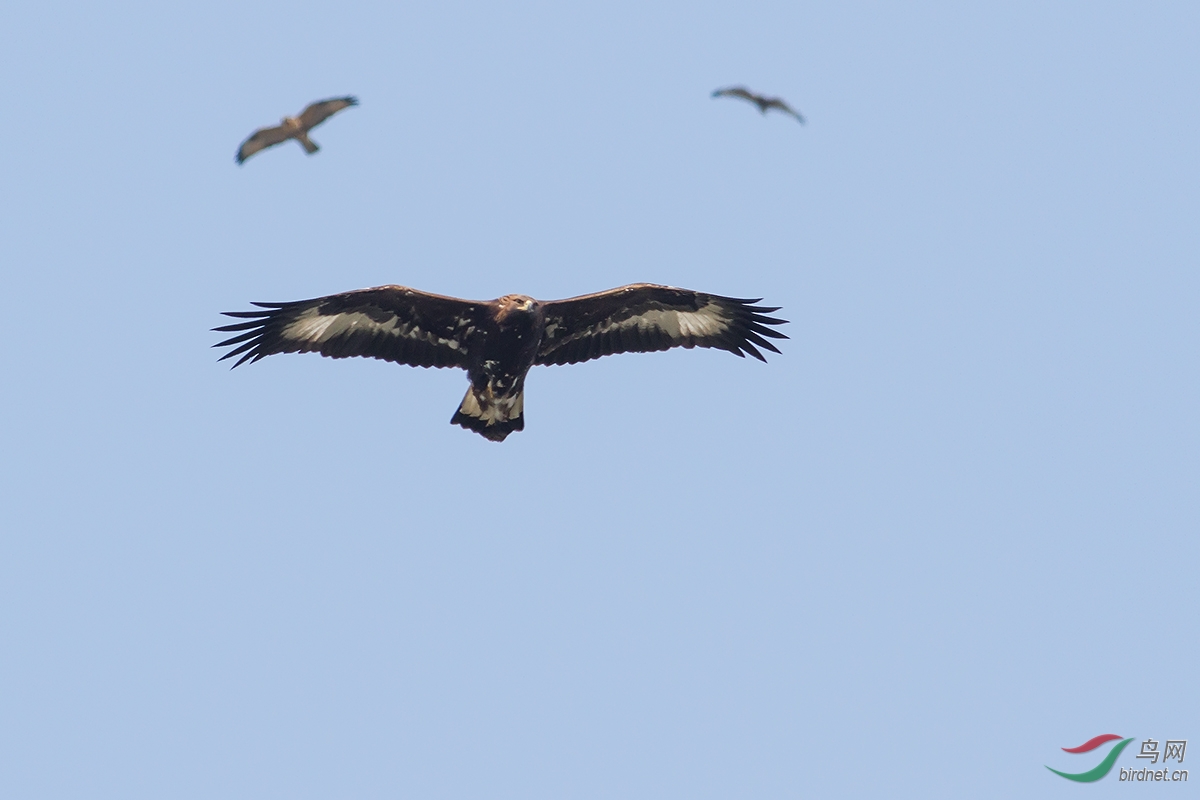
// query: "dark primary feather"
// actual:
[[393, 323], [318, 112], [644, 317]]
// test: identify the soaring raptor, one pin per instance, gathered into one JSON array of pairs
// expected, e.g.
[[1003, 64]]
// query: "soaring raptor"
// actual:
[[295, 128], [497, 341], [763, 103]]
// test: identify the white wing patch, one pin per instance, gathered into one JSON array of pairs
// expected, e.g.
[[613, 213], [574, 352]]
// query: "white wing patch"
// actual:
[[708, 321], [314, 327], [309, 327]]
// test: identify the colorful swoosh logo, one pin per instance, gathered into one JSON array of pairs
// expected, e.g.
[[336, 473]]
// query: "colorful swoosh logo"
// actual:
[[1101, 769], [1092, 744]]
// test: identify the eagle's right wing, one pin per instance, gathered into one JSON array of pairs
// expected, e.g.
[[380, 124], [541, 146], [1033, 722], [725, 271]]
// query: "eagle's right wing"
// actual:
[[261, 139], [393, 323]]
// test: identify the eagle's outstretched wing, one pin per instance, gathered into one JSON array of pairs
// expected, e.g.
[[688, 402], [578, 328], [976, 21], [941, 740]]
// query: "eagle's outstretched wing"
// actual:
[[643, 318], [322, 110], [393, 323], [261, 139]]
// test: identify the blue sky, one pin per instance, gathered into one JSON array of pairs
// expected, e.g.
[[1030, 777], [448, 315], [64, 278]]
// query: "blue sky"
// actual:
[[948, 531]]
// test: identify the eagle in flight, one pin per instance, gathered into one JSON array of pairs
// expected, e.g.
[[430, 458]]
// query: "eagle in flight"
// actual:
[[295, 128], [763, 103], [497, 341]]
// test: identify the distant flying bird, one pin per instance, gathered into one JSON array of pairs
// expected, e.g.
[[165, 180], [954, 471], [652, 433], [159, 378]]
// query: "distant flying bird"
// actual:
[[295, 128], [763, 103], [497, 341]]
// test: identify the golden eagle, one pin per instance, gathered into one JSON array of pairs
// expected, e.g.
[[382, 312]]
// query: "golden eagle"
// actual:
[[762, 102], [497, 341], [295, 128]]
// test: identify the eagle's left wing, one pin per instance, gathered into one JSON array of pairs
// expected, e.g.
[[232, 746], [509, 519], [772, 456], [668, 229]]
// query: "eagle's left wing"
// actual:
[[393, 323], [643, 318], [322, 110]]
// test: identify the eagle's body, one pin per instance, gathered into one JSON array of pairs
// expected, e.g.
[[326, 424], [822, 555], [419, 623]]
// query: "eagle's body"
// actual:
[[505, 348], [295, 128], [763, 103], [497, 342]]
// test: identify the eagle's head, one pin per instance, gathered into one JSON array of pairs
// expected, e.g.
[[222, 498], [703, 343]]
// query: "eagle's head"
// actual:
[[516, 304], [291, 122]]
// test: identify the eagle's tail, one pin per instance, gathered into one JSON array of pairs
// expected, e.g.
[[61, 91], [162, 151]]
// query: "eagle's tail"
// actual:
[[490, 416], [308, 144]]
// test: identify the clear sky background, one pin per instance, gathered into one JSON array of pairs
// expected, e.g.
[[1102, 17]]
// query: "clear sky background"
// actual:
[[951, 529]]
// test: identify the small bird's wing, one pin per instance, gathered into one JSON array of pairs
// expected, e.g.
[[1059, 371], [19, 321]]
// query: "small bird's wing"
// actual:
[[393, 323], [775, 102], [737, 91], [261, 139], [643, 318], [322, 110]]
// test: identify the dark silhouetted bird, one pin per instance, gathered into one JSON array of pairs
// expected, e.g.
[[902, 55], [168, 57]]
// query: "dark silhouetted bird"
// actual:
[[497, 341], [763, 103]]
